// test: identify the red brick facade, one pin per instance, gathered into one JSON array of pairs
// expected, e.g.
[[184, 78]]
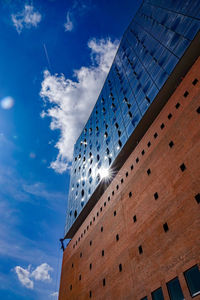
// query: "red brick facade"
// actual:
[[132, 211]]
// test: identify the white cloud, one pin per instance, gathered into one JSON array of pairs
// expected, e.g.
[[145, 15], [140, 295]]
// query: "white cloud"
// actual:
[[42, 272], [71, 102], [24, 276], [27, 18], [68, 25], [27, 277], [7, 102], [54, 295]]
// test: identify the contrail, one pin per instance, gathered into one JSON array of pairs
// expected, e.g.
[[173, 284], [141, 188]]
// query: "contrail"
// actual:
[[45, 50]]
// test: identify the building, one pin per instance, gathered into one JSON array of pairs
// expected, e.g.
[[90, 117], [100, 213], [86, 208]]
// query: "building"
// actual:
[[135, 233]]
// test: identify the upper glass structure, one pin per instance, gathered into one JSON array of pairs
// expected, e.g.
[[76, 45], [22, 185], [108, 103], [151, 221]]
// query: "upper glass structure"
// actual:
[[151, 47]]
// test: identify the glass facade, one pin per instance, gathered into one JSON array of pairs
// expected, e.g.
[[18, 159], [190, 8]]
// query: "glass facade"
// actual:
[[151, 47]]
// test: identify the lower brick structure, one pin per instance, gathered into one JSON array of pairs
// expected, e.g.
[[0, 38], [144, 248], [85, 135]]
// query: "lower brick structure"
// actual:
[[145, 229]]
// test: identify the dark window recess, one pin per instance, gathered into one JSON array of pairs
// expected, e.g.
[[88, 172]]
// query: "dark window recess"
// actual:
[[81, 254], [117, 237], [144, 298], [156, 196], [104, 204], [165, 227], [197, 198], [90, 243], [182, 167], [198, 110], [130, 195], [131, 167], [171, 144], [113, 193], [70, 287], [102, 252], [90, 266], [120, 267], [149, 144], [162, 125], [137, 160], [79, 277], [104, 282], [192, 277], [93, 219], [101, 228], [90, 294], [109, 198], [177, 105], [134, 218], [97, 214], [79, 239], [186, 94], [115, 213], [117, 187], [155, 135], [122, 180], [101, 208], [148, 172], [90, 223], [74, 246], [142, 152], [157, 294], [72, 265], [169, 116], [195, 81], [87, 227], [140, 249], [174, 289], [75, 213], [126, 174]]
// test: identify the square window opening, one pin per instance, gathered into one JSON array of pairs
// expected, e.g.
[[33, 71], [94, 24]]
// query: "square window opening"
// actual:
[[195, 81], [165, 227], [156, 196], [155, 135], [197, 198], [186, 94], [169, 116], [140, 249], [183, 167]]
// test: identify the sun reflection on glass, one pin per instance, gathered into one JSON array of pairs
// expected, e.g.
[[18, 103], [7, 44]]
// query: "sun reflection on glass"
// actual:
[[104, 173]]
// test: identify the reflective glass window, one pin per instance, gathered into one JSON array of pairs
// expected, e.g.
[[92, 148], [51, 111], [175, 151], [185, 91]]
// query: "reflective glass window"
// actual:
[[157, 294], [192, 277], [174, 289]]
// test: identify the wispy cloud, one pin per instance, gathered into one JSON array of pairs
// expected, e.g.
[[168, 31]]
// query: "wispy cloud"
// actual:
[[26, 18], [79, 8], [71, 102], [27, 277], [68, 25], [54, 295]]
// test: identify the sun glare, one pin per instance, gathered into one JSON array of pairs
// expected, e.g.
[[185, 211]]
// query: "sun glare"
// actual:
[[104, 173]]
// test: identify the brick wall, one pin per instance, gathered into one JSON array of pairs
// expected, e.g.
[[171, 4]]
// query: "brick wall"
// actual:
[[132, 211]]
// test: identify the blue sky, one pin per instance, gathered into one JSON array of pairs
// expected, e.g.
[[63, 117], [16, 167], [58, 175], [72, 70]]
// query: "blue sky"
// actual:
[[54, 57]]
